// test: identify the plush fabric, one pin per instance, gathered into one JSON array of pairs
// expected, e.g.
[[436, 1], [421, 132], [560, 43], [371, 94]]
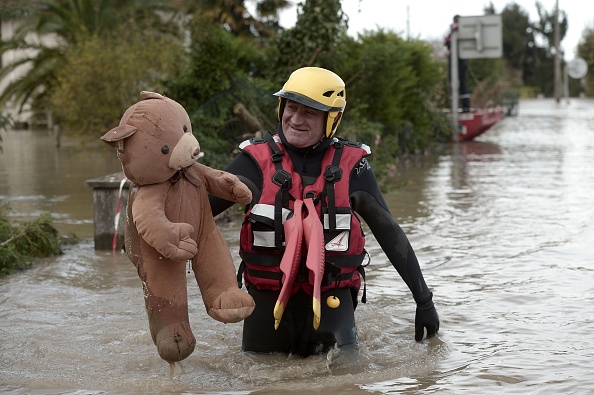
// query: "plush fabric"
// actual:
[[169, 222]]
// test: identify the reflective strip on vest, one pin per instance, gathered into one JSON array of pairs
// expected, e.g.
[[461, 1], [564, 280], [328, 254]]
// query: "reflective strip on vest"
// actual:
[[343, 222]]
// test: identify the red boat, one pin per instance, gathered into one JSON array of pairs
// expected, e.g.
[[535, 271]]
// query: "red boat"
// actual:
[[478, 121]]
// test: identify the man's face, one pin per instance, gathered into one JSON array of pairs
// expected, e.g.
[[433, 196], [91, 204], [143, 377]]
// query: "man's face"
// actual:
[[303, 126]]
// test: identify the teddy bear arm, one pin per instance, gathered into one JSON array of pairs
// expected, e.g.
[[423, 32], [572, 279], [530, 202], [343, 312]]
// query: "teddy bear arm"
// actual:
[[172, 240], [224, 185]]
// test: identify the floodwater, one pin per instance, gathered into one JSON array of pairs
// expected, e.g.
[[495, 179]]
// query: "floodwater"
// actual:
[[503, 228]]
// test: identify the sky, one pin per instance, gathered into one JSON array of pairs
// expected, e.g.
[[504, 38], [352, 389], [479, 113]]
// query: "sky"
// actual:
[[430, 19]]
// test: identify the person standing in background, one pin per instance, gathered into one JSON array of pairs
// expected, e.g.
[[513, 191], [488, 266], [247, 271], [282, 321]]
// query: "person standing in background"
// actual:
[[462, 67]]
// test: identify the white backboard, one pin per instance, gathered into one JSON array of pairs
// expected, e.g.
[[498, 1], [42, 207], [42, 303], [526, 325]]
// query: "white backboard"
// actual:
[[480, 37]]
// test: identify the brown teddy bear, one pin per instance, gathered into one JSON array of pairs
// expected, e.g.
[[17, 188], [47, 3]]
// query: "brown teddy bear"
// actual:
[[169, 222]]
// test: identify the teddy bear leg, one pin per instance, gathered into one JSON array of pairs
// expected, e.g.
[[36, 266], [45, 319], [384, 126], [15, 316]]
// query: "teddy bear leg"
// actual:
[[215, 273], [166, 302]]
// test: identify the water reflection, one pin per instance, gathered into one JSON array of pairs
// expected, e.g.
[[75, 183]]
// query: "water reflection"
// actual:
[[36, 176]]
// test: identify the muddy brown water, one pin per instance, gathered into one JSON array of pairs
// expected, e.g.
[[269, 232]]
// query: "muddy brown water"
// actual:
[[503, 228]]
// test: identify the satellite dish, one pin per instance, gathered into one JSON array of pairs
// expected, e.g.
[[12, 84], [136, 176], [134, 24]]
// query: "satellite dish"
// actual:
[[577, 68]]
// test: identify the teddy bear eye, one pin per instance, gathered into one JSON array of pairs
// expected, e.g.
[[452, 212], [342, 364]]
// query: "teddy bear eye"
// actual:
[[185, 128], [165, 149]]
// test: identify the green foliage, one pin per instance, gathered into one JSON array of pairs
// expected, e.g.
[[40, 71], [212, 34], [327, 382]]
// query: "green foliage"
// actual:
[[237, 19], [22, 242], [518, 40], [395, 88], [389, 102], [487, 83], [528, 63], [313, 41], [215, 58], [16, 9], [213, 82], [101, 76], [218, 127], [67, 22], [397, 96], [545, 25]]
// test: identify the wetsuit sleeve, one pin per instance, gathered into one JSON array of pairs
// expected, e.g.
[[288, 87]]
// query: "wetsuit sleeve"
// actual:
[[368, 202], [244, 167]]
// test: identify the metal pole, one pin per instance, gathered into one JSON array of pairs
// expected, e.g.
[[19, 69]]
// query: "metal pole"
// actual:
[[565, 83], [454, 81]]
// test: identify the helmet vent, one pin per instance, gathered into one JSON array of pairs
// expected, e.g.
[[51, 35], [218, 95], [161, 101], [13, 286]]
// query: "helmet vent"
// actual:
[[328, 93]]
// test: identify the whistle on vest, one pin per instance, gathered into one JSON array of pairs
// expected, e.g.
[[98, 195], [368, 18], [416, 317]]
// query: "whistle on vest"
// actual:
[[332, 301]]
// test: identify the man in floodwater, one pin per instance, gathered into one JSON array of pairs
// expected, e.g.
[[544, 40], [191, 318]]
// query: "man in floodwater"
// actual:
[[301, 244]]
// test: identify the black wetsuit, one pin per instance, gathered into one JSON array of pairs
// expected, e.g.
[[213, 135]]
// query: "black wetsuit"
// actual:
[[338, 325]]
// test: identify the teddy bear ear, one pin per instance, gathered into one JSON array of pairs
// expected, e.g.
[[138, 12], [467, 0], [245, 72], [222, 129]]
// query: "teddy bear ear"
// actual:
[[119, 133], [123, 130], [145, 95]]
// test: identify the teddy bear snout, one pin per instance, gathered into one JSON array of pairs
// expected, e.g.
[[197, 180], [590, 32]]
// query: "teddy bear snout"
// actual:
[[185, 153]]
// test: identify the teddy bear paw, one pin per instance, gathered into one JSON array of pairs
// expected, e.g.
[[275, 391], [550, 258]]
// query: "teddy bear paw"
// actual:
[[186, 250], [233, 305], [241, 193]]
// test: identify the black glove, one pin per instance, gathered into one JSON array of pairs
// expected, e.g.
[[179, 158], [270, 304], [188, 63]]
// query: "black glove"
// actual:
[[426, 317]]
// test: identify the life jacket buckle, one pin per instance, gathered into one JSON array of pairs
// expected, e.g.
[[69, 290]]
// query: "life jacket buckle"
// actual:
[[257, 140], [277, 156], [282, 178], [338, 144], [311, 195], [355, 144], [333, 173]]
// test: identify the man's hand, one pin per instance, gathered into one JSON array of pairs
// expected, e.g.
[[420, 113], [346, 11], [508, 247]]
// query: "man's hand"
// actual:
[[426, 317]]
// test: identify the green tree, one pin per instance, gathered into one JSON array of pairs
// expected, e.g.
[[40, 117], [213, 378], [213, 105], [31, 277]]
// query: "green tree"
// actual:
[[539, 67], [585, 50], [545, 26], [313, 41], [104, 75], [214, 81], [518, 39], [215, 58], [390, 80], [45, 34], [16, 9], [234, 16]]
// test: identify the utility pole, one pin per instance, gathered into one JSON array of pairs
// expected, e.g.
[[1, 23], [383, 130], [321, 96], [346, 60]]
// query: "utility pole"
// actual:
[[454, 82], [557, 55], [407, 23]]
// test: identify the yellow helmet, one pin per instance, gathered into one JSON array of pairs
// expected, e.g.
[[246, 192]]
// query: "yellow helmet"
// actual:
[[317, 88]]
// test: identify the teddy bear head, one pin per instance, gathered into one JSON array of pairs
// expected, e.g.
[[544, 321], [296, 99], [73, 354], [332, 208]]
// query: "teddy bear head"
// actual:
[[154, 139]]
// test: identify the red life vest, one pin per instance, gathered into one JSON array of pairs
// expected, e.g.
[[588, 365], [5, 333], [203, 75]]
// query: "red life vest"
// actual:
[[262, 235]]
